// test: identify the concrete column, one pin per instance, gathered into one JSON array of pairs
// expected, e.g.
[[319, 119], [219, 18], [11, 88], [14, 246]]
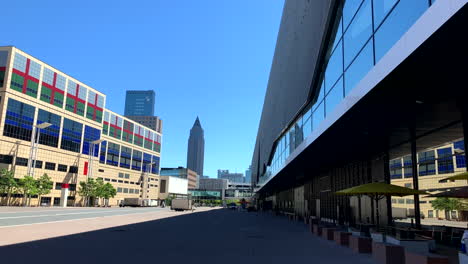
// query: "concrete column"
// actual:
[[414, 164], [64, 195]]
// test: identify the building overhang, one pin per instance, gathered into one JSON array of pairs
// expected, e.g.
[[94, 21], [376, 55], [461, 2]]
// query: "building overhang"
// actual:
[[417, 83]]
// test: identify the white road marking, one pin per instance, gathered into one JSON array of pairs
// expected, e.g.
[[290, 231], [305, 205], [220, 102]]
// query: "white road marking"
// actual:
[[93, 212], [69, 220]]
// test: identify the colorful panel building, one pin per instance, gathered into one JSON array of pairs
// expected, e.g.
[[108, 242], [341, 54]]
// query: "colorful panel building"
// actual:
[[84, 139]]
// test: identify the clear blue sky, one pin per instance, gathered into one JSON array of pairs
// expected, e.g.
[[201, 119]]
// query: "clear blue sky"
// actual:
[[206, 58]]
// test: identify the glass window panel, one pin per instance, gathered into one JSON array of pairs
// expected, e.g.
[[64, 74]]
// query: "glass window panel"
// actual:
[[334, 68], [396, 24], [60, 82], [82, 93], [91, 97], [34, 69], [321, 94], [48, 76], [18, 120], [359, 68], [358, 32], [349, 10], [381, 9], [20, 62], [334, 97], [71, 135], [71, 87], [50, 135], [318, 115], [307, 127], [339, 32]]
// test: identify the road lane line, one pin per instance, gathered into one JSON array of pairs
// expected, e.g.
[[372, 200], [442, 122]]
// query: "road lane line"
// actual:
[[32, 216], [86, 218]]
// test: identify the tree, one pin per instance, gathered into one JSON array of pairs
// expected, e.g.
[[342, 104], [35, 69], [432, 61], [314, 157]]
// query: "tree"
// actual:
[[99, 189], [44, 185], [108, 191], [87, 189], [28, 187], [8, 184], [447, 205]]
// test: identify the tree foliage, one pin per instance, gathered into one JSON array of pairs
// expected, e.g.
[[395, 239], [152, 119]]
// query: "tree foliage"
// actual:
[[8, 183], [96, 189], [447, 204]]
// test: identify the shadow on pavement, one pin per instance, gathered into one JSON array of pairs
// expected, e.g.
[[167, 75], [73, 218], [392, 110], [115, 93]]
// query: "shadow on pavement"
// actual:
[[221, 236]]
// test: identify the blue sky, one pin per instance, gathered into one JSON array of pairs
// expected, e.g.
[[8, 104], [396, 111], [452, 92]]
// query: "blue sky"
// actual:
[[206, 58]]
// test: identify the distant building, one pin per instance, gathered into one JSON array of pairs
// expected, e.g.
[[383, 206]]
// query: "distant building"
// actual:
[[232, 177], [196, 148], [238, 191], [152, 122], [172, 186], [184, 173], [139, 103], [210, 189], [248, 175]]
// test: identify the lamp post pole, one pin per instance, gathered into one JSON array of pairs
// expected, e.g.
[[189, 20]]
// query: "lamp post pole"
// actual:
[[34, 146]]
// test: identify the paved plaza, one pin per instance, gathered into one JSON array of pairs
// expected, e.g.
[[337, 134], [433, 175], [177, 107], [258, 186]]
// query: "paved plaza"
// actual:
[[219, 235]]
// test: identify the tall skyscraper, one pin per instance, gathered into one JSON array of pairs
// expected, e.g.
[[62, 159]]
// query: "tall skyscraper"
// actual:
[[248, 175], [196, 148], [139, 103]]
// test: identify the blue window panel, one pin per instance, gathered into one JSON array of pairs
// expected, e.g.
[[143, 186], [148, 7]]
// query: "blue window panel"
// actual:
[[50, 135], [307, 127], [71, 135], [349, 10], [91, 134], [19, 120], [381, 9], [146, 162], [334, 97], [461, 161], [321, 94], [338, 33], [408, 172], [136, 160], [397, 23], [102, 156], [155, 168], [318, 116], [358, 32], [334, 68], [359, 68], [445, 160], [125, 157], [459, 145]]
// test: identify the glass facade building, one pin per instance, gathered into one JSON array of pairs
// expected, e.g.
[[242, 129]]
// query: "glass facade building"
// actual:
[[139, 103], [364, 31]]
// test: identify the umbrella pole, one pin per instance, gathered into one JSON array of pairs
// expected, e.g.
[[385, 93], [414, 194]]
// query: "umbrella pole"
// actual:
[[359, 208], [377, 211]]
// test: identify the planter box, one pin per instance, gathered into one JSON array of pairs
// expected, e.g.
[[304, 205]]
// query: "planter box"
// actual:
[[424, 258], [317, 230], [342, 238], [328, 233], [360, 244], [388, 253]]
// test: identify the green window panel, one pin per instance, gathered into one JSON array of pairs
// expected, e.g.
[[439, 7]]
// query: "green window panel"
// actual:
[[32, 88], [58, 99], [80, 108], [2, 77], [105, 129], [46, 94], [90, 112], [98, 116], [70, 104], [148, 144], [17, 82], [119, 133], [158, 148], [112, 131]]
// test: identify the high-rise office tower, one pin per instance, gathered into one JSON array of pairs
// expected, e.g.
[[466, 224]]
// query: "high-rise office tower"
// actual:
[[139, 103], [196, 148]]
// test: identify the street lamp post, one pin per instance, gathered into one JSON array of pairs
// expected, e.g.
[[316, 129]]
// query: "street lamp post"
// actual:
[[34, 146], [91, 155], [145, 178]]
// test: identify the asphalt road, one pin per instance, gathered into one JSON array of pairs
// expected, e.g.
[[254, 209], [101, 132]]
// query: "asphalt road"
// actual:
[[18, 218], [216, 236]]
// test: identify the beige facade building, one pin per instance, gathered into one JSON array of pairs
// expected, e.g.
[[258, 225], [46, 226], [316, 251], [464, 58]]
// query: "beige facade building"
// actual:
[[81, 137], [434, 165]]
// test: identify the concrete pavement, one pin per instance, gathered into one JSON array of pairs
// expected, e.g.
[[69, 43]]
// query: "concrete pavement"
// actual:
[[220, 236]]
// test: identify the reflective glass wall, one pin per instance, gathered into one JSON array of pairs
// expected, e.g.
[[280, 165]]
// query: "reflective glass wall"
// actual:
[[363, 33]]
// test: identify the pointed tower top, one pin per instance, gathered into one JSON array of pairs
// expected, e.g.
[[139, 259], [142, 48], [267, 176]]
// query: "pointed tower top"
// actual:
[[197, 122]]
